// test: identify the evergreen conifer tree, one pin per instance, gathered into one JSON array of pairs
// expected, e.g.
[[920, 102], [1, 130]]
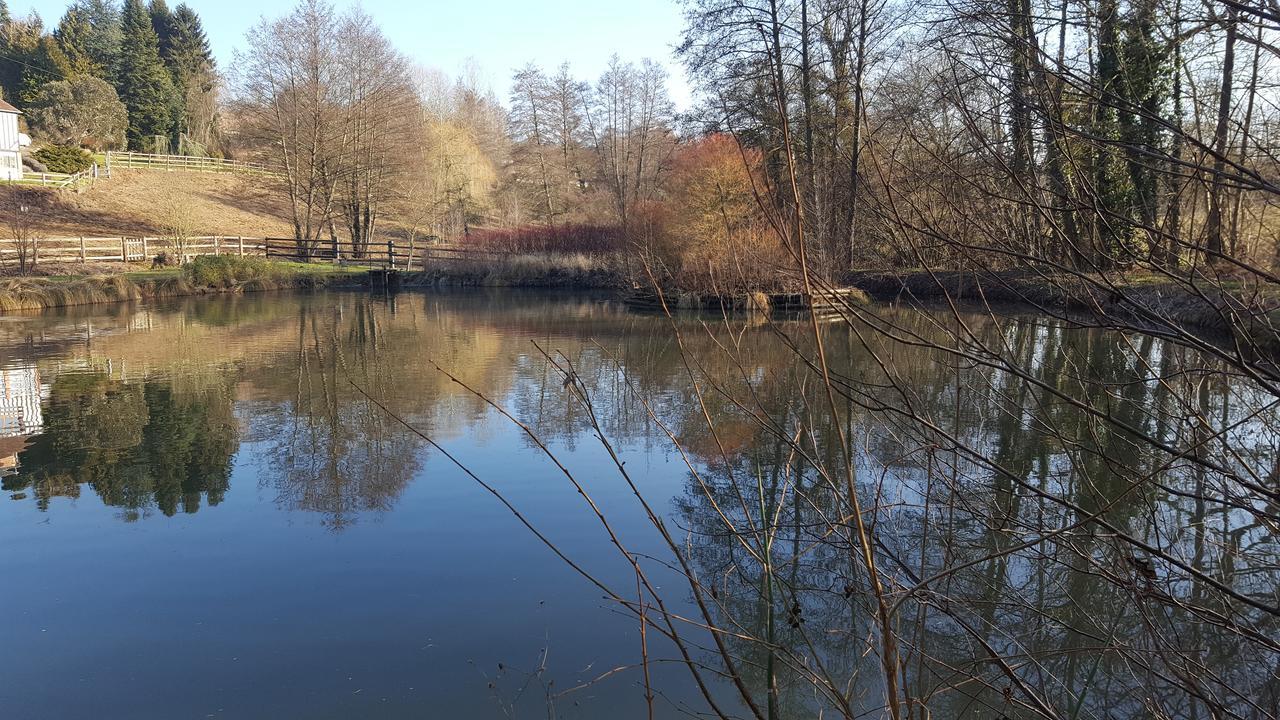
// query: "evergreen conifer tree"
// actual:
[[144, 85], [162, 22], [74, 37], [103, 41]]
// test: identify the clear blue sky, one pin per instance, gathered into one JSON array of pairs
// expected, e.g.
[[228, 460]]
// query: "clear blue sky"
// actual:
[[499, 34]]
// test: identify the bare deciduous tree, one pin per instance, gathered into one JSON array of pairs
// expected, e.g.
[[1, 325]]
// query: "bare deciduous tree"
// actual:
[[290, 95], [20, 219]]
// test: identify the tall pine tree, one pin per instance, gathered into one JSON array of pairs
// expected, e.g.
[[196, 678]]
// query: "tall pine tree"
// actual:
[[45, 64], [74, 35], [188, 45], [102, 43], [162, 22], [142, 80], [191, 64]]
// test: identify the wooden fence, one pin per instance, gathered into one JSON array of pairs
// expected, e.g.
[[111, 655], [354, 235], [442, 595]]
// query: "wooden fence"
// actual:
[[128, 249], [393, 254], [179, 162], [59, 180]]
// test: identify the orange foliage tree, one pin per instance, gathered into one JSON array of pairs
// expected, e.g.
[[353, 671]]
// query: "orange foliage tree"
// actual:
[[717, 230]]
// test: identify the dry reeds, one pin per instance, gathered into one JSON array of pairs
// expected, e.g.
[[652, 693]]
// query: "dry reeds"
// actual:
[[39, 293]]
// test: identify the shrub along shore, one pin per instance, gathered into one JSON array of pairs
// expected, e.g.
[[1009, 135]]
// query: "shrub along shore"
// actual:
[[1224, 309], [531, 269], [204, 275], [233, 274], [1159, 302]]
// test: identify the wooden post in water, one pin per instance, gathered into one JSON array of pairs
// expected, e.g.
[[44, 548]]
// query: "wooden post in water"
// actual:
[[83, 257]]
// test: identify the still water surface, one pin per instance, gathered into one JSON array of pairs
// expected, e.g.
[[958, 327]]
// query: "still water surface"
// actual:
[[205, 515], [207, 519]]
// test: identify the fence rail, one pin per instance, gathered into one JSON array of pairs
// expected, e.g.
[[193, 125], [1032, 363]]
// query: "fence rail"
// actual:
[[128, 249], [114, 159], [390, 254], [58, 180]]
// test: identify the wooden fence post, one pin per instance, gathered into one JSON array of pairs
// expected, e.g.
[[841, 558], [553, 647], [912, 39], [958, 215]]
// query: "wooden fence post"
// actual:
[[146, 253], [391, 254], [240, 244], [124, 249], [83, 255], [217, 244]]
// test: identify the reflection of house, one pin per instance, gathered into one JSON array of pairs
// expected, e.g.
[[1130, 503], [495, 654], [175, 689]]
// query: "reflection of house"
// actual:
[[11, 143], [20, 401], [20, 414], [9, 449]]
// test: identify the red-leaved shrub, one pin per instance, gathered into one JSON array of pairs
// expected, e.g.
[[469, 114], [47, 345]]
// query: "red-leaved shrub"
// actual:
[[585, 239]]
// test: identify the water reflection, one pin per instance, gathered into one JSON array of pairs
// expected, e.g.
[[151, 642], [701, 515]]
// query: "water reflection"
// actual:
[[1079, 620], [1035, 599], [332, 449], [20, 412], [138, 445]]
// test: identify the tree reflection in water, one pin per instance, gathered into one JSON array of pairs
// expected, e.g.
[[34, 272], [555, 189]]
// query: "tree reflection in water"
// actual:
[[1062, 533], [1044, 599], [333, 450], [139, 445]]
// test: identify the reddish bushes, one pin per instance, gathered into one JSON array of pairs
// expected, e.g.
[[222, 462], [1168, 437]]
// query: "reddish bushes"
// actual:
[[585, 239], [716, 234], [706, 231]]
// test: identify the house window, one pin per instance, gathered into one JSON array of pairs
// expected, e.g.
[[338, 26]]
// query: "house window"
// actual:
[[8, 162]]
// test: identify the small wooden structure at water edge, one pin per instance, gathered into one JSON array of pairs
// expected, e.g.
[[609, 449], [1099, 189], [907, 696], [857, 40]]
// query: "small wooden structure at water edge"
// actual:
[[826, 303], [384, 279]]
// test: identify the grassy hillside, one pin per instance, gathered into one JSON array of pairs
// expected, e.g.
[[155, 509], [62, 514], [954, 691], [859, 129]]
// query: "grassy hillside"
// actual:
[[135, 202]]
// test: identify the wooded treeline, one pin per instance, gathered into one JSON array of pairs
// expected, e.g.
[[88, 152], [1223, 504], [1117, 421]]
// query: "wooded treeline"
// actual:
[[110, 75], [369, 145], [367, 140], [1087, 135]]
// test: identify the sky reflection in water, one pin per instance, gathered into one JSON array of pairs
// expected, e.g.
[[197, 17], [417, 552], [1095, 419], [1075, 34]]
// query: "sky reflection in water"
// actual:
[[206, 516]]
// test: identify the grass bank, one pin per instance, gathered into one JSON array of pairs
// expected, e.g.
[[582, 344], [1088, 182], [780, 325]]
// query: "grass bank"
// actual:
[[1227, 309], [204, 275]]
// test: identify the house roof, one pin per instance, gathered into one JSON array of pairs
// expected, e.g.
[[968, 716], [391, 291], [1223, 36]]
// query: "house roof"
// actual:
[[6, 107]]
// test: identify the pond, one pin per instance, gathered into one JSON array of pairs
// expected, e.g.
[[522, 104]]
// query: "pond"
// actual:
[[316, 505]]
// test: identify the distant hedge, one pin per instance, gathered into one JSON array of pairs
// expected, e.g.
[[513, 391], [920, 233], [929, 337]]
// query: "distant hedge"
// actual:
[[64, 158]]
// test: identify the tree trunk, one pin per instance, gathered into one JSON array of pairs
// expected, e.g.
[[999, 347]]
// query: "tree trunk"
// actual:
[[1213, 224]]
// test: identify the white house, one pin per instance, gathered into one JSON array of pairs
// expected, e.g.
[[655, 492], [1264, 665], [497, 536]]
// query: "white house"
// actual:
[[11, 143]]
